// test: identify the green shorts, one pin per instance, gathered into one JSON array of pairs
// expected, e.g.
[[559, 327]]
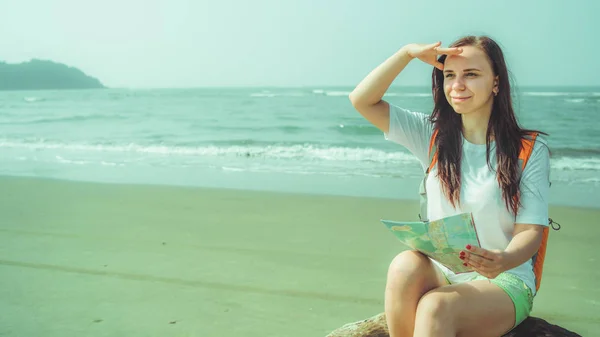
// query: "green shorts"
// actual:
[[517, 290]]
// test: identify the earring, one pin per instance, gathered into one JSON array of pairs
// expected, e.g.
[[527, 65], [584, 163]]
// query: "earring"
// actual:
[[495, 92]]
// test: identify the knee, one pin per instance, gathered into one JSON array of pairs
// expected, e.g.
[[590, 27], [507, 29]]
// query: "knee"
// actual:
[[435, 306], [409, 263]]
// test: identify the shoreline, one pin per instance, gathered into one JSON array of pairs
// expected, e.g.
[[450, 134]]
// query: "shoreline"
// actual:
[[398, 189]]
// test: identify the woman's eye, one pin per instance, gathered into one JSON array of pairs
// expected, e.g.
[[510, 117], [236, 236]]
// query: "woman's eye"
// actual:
[[449, 75], [471, 74]]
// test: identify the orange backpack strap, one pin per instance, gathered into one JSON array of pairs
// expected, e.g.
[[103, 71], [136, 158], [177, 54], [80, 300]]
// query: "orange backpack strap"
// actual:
[[422, 189], [540, 255], [526, 149], [432, 151]]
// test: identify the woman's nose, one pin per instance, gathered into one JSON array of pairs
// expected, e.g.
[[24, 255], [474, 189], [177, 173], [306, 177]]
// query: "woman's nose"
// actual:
[[458, 84]]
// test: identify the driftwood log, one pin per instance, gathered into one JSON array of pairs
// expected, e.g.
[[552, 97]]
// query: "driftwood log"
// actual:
[[377, 327]]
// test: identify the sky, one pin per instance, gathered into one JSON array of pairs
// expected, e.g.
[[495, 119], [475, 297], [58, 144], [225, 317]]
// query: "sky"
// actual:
[[199, 43]]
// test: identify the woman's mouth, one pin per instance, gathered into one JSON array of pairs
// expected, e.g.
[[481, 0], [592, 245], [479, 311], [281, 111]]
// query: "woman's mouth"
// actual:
[[460, 99]]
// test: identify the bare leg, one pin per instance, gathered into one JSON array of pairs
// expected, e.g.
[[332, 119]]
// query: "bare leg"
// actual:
[[471, 309], [410, 275]]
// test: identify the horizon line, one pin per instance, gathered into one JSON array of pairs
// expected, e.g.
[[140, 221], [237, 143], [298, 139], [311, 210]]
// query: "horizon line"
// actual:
[[317, 87]]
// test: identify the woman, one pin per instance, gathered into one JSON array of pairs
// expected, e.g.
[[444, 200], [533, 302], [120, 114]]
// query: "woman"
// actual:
[[478, 141]]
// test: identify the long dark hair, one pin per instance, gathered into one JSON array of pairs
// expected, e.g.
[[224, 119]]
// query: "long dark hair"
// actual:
[[502, 127]]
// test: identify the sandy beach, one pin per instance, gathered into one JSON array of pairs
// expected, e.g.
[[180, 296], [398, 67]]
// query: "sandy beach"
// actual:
[[90, 259]]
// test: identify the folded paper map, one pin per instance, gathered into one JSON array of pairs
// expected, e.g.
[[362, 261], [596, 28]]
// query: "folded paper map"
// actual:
[[442, 239]]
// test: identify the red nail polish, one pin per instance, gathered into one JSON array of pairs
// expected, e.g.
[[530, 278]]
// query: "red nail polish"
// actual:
[[469, 247], [462, 257], [462, 253], [464, 264]]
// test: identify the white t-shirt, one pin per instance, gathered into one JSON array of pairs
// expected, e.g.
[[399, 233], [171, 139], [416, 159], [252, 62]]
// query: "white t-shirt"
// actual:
[[480, 192]]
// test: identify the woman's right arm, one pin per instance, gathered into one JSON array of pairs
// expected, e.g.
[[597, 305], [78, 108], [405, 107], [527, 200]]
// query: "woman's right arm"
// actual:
[[367, 96]]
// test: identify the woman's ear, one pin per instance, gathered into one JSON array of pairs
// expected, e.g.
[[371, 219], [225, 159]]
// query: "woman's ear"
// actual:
[[496, 89]]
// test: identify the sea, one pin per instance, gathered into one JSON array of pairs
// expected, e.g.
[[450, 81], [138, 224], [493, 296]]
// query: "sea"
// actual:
[[302, 140]]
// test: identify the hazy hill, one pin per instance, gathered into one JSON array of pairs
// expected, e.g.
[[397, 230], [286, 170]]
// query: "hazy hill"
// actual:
[[42, 74]]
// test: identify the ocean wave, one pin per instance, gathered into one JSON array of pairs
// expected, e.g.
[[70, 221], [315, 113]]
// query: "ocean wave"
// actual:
[[590, 180], [556, 93], [258, 128], [33, 99], [61, 119], [578, 159], [394, 94], [63, 160], [302, 171], [278, 94], [572, 164], [337, 93], [332, 93], [69, 161], [310, 152], [408, 94], [544, 94], [591, 152], [356, 129]]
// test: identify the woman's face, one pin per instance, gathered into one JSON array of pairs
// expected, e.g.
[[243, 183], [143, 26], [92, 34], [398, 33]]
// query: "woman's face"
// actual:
[[469, 81]]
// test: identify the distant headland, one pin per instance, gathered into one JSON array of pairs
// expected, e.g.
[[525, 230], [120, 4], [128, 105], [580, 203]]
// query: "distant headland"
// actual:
[[44, 75]]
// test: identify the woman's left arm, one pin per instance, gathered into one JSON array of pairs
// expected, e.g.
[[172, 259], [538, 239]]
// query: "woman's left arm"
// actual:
[[525, 243], [491, 263]]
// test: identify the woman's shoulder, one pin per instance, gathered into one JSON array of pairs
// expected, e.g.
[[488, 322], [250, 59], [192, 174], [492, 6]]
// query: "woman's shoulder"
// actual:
[[539, 158], [540, 144]]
